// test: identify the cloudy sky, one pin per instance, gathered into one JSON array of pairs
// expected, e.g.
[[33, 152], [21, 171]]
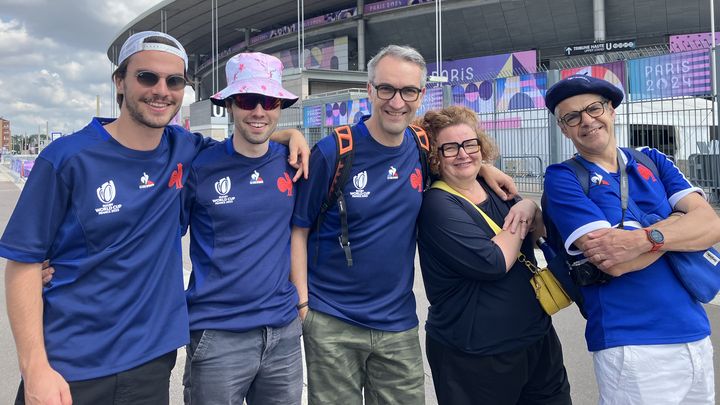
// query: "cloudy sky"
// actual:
[[53, 61]]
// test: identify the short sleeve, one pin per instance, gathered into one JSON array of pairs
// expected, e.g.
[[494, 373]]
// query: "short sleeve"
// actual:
[[41, 208], [311, 193], [676, 184], [573, 213]]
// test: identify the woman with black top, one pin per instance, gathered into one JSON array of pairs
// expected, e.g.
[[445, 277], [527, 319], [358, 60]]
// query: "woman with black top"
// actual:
[[488, 339]]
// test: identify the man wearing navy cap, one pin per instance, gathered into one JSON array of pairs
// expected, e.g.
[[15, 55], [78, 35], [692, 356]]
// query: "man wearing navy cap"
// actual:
[[649, 336]]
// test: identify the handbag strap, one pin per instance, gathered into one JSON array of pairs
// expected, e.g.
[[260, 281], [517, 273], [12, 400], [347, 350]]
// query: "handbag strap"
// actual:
[[439, 184], [446, 187]]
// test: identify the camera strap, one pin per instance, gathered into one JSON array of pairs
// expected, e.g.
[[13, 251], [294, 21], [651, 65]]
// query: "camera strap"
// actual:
[[623, 188]]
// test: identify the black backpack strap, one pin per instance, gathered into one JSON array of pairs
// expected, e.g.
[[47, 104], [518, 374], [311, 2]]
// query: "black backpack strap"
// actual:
[[423, 144], [581, 173], [344, 140], [343, 164], [644, 160]]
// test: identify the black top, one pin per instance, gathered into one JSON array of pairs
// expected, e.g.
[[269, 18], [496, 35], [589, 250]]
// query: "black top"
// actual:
[[475, 306]]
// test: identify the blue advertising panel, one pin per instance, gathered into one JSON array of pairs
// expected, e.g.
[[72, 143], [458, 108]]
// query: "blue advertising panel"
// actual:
[[676, 74], [433, 100], [486, 67], [346, 112], [313, 116], [521, 92]]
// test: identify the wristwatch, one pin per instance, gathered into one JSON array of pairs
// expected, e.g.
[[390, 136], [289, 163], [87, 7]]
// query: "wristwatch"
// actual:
[[656, 238]]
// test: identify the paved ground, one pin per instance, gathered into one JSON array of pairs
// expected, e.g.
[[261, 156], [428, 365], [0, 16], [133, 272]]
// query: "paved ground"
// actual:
[[568, 323]]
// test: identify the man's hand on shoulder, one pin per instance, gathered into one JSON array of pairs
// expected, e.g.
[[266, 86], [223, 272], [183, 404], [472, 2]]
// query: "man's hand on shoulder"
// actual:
[[47, 273], [299, 155], [502, 184]]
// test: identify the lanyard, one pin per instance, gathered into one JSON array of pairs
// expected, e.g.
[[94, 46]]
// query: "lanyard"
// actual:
[[623, 189]]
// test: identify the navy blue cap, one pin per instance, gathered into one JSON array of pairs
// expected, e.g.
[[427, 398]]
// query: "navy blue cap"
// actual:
[[581, 84]]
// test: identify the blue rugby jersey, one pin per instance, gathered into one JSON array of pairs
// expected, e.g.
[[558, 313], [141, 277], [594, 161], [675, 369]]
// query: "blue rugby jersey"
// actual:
[[108, 218], [239, 210], [649, 306], [383, 195]]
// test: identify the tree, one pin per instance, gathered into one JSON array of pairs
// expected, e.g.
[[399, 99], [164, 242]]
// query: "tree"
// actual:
[[25, 143]]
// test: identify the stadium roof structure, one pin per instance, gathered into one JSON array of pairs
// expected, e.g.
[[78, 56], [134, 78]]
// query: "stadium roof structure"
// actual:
[[470, 27], [190, 20]]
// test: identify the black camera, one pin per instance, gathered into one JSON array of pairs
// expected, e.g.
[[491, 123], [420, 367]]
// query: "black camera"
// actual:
[[584, 273]]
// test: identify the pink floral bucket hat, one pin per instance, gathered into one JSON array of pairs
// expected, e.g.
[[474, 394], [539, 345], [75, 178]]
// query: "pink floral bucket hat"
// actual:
[[255, 73]]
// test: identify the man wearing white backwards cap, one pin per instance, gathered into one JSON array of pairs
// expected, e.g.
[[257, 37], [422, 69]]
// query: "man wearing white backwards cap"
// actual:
[[244, 326], [106, 208]]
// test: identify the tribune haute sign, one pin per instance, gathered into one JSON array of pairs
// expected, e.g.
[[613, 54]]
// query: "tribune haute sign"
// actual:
[[600, 47]]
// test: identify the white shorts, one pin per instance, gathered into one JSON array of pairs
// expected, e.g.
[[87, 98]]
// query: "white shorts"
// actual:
[[656, 374]]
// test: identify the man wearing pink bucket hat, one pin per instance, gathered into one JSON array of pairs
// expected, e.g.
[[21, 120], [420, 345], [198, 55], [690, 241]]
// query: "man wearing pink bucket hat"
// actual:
[[239, 198], [106, 203]]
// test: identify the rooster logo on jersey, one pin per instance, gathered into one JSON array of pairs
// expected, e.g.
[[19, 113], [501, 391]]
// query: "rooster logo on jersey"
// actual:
[[646, 173], [597, 179]]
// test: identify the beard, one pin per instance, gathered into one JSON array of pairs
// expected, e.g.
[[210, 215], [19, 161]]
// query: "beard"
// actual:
[[134, 108]]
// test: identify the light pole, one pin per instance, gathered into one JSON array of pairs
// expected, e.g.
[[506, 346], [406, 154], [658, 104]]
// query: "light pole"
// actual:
[[438, 36], [712, 50], [301, 51]]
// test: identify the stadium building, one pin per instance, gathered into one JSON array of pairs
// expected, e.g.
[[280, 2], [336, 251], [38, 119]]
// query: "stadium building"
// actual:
[[496, 56]]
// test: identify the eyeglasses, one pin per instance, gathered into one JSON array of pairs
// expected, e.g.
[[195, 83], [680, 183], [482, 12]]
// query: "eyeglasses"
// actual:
[[147, 78], [248, 102], [573, 119], [387, 92], [452, 149]]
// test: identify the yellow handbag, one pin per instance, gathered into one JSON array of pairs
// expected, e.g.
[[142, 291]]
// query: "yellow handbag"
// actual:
[[548, 291]]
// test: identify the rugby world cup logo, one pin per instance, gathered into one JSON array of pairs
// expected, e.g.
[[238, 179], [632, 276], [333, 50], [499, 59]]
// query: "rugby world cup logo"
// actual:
[[223, 185], [106, 192], [360, 182], [106, 195]]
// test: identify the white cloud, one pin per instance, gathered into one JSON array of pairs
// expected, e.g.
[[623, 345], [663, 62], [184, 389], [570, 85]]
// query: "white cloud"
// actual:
[[24, 2], [53, 63], [112, 11], [11, 63], [14, 39], [72, 70]]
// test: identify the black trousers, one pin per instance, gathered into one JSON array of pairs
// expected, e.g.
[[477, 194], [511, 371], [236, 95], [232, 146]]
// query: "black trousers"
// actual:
[[147, 384], [534, 375]]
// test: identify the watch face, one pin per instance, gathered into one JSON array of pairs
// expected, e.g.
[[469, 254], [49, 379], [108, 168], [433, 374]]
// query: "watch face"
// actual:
[[656, 236]]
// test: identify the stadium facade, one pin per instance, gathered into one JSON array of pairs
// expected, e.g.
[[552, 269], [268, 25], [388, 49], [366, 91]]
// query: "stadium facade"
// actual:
[[498, 57]]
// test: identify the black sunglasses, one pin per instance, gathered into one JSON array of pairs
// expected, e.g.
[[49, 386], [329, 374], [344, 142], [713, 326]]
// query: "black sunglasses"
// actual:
[[248, 102], [149, 79]]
